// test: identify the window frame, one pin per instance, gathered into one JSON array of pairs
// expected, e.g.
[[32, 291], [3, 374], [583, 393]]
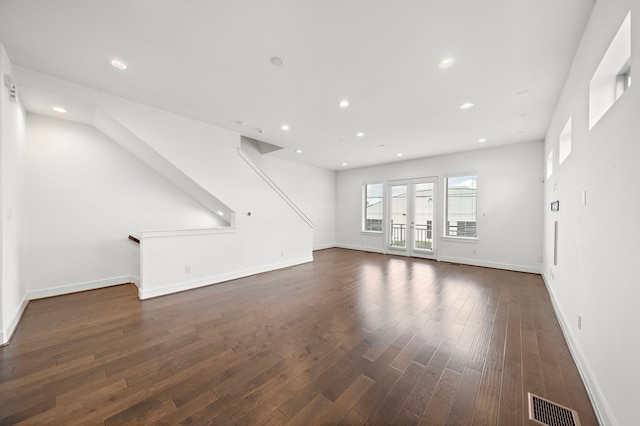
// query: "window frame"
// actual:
[[363, 216], [445, 228]]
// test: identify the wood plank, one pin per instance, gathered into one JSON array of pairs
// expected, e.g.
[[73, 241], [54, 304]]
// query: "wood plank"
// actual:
[[349, 338], [440, 405]]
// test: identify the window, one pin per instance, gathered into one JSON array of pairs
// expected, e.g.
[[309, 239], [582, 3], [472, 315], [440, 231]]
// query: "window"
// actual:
[[623, 80], [565, 142], [461, 206], [373, 207], [613, 76]]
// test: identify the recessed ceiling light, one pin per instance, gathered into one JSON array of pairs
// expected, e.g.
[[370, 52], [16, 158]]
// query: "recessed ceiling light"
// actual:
[[482, 140], [467, 105], [446, 62], [119, 64], [240, 123], [220, 213], [298, 151], [380, 146], [277, 61], [360, 134], [399, 154], [259, 130], [59, 109], [285, 127], [344, 164], [344, 103]]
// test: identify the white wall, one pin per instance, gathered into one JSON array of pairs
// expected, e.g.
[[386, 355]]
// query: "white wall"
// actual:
[[510, 195], [272, 235], [312, 189], [85, 195], [596, 276], [12, 286]]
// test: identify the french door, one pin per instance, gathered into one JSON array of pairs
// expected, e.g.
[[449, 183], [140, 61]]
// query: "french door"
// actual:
[[411, 207]]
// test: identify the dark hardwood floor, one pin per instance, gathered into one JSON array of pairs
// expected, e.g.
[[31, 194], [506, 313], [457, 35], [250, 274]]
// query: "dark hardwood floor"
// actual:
[[351, 338]]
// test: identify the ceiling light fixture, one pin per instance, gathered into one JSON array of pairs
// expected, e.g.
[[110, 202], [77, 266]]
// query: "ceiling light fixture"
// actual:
[[259, 130], [59, 109], [285, 127], [467, 105], [119, 64], [240, 123], [220, 213], [344, 103], [399, 154], [298, 151], [482, 140], [360, 134], [446, 62], [277, 61], [344, 164]]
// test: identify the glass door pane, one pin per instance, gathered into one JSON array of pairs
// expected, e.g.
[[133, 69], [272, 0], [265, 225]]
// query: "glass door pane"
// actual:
[[423, 216], [398, 209]]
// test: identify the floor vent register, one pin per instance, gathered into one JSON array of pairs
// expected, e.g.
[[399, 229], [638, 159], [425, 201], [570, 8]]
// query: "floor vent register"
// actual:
[[548, 413]]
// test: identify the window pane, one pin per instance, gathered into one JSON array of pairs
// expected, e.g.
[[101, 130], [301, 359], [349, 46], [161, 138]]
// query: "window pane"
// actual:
[[373, 207], [399, 216], [423, 216], [461, 206]]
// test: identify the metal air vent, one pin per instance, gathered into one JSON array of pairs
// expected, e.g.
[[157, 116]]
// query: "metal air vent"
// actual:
[[548, 413]]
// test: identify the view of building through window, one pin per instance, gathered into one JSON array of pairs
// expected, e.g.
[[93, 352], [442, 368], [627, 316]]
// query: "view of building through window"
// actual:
[[461, 206], [373, 207]]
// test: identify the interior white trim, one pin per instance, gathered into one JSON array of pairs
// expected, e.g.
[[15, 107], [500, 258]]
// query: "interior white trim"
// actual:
[[275, 187], [323, 247], [7, 332], [600, 405], [360, 248], [495, 265], [215, 279], [83, 286], [185, 232]]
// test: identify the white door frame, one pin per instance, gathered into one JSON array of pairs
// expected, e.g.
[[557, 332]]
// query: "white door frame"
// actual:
[[410, 248]]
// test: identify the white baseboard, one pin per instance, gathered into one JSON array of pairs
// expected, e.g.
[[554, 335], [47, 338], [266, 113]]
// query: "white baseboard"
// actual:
[[202, 282], [600, 405], [324, 247], [360, 248], [135, 281], [495, 265], [7, 332], [76, 287]]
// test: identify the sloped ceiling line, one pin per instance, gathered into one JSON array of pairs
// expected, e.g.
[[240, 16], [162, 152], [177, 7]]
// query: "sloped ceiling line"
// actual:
[[124, 137], [275, 187]]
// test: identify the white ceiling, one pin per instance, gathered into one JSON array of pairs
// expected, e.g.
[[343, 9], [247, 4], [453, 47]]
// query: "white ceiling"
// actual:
[[210, 60]]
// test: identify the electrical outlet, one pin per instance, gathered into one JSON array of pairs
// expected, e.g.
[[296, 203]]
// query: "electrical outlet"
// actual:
[[187, 269]]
